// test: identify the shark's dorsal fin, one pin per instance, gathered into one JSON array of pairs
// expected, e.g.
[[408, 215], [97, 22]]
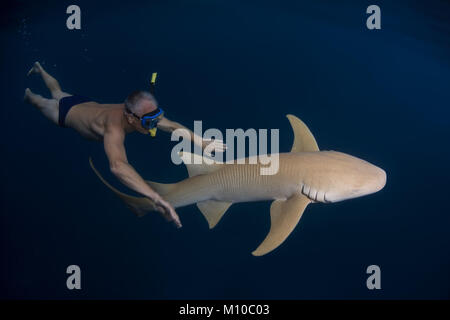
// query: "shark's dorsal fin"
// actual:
[[304, 140], [213, 210], [284, 216], [139, 205], [196, 165]]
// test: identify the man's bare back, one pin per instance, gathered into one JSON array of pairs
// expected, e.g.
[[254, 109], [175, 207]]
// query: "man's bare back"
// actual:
[[90, 119]]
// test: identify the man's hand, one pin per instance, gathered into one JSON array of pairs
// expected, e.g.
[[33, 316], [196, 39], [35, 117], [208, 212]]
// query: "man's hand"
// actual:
[[115, 150], [167, 211], [210, 145]]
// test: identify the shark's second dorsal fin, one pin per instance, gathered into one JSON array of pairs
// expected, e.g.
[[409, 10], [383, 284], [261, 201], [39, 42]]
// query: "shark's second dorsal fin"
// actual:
[[196, 165], [304, 140], [284, 216], [213, 210]]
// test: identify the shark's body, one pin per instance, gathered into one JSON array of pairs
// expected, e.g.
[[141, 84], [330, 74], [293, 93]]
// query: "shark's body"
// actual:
[[326, 176], [305, 175]]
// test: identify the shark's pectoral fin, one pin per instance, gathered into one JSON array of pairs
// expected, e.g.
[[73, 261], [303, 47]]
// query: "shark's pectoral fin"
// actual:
[[284, 216], [139, 205], [213, 210], [304, 140]]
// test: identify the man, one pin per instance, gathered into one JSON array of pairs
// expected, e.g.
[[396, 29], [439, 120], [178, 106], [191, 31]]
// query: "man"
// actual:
[[110, 123]]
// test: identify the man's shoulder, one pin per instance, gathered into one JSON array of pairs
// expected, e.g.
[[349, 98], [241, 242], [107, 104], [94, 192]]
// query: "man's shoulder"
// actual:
[[114, 129], [113, 121]]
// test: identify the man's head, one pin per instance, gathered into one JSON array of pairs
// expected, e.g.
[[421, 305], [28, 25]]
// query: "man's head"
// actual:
[[139, 105]]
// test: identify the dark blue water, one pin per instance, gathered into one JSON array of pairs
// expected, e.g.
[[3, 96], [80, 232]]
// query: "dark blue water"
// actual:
[[380, 95]]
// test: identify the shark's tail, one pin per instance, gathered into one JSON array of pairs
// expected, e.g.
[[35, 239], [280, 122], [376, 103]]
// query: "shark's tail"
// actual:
[[211, 209], [139, 205]]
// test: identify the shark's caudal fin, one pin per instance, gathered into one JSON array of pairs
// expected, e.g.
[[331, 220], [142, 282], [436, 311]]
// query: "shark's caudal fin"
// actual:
[[284, 216], [139, 205], [304, 140], [212, 210]]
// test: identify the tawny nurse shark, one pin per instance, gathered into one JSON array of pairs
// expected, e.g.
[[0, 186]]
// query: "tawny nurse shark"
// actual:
[[306, 175]]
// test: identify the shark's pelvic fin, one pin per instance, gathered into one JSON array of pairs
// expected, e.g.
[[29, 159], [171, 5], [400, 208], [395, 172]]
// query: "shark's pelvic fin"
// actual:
[[213, 210], [196, 165], [284, 216], [304, 140], [139, 205]]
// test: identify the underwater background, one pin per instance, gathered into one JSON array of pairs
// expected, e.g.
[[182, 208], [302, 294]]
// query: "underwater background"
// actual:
[[381, 95]]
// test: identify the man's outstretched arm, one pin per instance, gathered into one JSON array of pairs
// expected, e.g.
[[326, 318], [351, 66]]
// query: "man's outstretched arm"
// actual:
[[118, 162], [169, 126]]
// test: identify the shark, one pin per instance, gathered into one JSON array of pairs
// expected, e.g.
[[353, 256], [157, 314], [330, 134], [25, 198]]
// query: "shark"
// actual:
[[305, 175]]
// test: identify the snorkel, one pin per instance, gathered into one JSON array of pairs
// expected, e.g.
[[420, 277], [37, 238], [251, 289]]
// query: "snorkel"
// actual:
[[149, 121], [152, 131]]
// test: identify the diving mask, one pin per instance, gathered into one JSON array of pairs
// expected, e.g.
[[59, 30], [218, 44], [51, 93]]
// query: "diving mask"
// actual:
[[149, 120]]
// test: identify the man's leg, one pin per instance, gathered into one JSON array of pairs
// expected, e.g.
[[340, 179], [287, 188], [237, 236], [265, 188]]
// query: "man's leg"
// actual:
[[48, 107], [51, 83]]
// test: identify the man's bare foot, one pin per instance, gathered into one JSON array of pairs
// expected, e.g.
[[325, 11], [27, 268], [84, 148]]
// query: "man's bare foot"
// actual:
[[27, 95], [35, 69]]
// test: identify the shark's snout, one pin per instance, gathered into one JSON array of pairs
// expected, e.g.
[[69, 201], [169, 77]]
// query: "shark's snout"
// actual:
[[374, 181], [351, 178], [380, 179]]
